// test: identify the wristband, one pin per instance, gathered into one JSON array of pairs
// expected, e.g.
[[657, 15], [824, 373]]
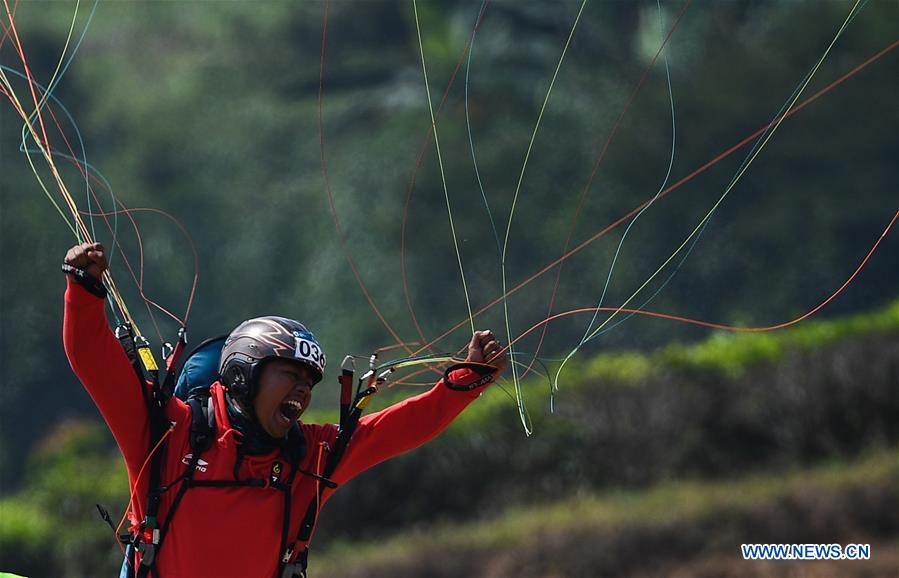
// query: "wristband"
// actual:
[[487, 373], [86, 280]]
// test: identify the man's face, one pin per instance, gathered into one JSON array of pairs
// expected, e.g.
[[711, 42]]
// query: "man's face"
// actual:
[[283, 394]]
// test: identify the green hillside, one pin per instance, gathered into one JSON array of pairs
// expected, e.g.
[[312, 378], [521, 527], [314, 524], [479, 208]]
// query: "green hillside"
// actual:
[[668, 526]]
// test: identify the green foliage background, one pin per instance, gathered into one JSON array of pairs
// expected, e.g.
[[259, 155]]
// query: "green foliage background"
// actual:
[[209, 111]]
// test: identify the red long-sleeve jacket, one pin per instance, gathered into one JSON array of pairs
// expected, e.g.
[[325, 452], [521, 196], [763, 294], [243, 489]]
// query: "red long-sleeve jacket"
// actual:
[[230, 532]]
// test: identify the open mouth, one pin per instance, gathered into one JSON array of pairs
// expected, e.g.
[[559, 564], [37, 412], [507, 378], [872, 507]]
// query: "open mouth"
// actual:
[[291, 410]]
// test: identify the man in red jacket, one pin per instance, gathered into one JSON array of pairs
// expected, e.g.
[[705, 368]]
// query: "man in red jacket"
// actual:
[[250, 491]]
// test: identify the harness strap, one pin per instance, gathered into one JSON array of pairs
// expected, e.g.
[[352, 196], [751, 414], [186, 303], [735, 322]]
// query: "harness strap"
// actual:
[[249, 482], [145, 542], [149, 551], [148, 541], [297, 569], [345, 380], [125, 335], [202, 423], [285, 520]]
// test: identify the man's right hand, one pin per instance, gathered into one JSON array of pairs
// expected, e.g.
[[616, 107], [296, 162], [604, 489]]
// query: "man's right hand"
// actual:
[[91, 257]]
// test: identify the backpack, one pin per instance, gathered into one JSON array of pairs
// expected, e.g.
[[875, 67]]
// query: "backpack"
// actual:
[[200, 369]]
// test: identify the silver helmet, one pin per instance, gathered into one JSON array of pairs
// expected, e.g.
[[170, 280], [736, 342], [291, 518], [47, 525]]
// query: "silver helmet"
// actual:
[[261, 338]]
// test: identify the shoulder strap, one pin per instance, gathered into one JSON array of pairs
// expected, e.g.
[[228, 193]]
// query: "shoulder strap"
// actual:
[[202, 432], [348, 428], [202, 422], [145, 541]]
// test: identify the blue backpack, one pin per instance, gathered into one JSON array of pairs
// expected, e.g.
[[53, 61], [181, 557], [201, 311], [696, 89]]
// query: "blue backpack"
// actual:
[[200, 369]]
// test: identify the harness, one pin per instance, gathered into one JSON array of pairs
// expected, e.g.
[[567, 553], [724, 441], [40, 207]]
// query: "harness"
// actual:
[[148, 539]]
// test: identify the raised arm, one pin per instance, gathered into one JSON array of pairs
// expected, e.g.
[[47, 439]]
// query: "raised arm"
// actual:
[[99, 361], [417, 420]]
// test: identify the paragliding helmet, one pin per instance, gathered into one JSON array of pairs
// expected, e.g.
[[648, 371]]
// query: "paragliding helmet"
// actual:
[[262, 338]]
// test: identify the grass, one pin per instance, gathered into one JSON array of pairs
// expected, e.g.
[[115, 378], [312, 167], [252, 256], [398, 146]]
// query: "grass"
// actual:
[[681, 503]]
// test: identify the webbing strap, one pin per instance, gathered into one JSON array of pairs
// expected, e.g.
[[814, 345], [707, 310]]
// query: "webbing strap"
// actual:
[[346, 396], [285, 520], [158, 425], [305, 533], [249, 482], [146, 565]]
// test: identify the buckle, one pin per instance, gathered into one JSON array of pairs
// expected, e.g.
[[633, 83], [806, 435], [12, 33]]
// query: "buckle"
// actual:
[[147, 553], [294, 570]]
